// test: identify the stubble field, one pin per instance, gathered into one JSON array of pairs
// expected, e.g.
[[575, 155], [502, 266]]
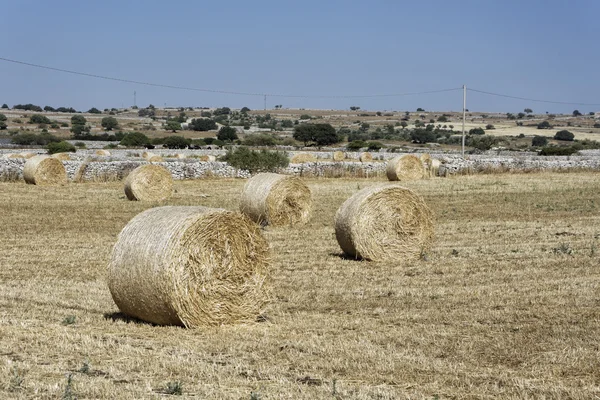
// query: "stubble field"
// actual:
[[506, 305]]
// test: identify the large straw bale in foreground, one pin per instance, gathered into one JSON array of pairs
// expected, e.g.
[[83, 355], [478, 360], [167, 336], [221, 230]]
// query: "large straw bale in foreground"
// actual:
[[384, 223], [149, 183], [44, 170], [302, 158], [405, 168], [339, 156], [365, 157], [190, 266], [273, 199]]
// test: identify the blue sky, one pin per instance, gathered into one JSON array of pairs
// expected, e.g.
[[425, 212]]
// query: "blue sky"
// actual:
[[535, 49]]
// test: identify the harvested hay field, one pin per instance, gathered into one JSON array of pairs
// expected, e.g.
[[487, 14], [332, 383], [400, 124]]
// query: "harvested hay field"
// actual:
[[507, 304]]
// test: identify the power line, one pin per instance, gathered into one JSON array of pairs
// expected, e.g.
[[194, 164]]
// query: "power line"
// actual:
[[224, 91], [534, 100]]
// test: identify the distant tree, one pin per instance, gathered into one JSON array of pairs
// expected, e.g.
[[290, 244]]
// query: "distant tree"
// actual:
[[420, 109], [476, 131], [539, 141], [134, 139], [176, 142], [305, 116], [39, 119], [422, 136], [227, 134], [4, 105], [66, 110], [544, 125], [510, 116], [564, 135], [146, 112], [222, 111], [94, 110], [173, 125], [151, 106], [49, 109], [520, 115], [403, 124], [3, 118], [244, 110], [378, 113], [354, 108], [27, 107], [321, 134], [60, 147], [109, 123], [528, 110], [364, 127], [442, 118], [205, 114], [2, 121], [489, 127], [202, 124], [576, 113], [287, 123]]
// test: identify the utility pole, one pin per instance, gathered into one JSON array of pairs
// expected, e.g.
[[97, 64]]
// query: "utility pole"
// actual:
[[265, 102], [464, 118], [134, 99]]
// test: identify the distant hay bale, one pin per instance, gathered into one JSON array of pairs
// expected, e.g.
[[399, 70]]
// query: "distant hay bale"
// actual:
[[14, 155], [190, 266], [384, 223], [26, 155], [180, 156], [155, 158], [405, 168], [62, 156], [44, 170], [273, 199], [365, 157], [426, 160], [147, 154], [302, 158], [207, 158], [435, 167], [338, 156], [104, 153], [149, 182]]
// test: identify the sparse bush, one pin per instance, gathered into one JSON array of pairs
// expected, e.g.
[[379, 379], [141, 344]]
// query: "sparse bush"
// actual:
[[80, 145], [544, 125], [477, 131], [39, 119], [256, 161], [305, 116], [176, 142], [490, 127], [557, 151], [27, 139], [60, 147], [260, 140]]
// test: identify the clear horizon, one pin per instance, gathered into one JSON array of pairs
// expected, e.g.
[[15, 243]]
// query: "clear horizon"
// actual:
[[539, 50]]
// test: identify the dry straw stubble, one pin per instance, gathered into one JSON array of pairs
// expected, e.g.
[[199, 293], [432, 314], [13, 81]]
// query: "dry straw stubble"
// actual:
[[384, 223], [149, 183], [44, 170], [274, 199], [190, 266], [405, 168]]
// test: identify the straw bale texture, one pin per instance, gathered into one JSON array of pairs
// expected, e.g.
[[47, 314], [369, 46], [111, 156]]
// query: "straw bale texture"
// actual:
[[365, 157], [302, 158], [273, 199], [435, 167], [155, 158], [384, 223], [338, 156], [405, 168], [180, 156], [207, 158], [14, 155], [104, 153], [26, 155], [147, 154], [62, 156], [44, 170], [190, 266], [149, 183], [426, 160]]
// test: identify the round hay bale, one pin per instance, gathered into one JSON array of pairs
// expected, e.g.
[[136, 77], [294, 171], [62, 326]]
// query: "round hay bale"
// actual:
[[155, 158], [44, 170], [405, 168], [365, 157], [103, 153], [190, 266], [14, 155], [180, 156], [426, 160], [384, 223], [302, 158], [435, 167], [27, 155], [273, 199], [149, 183], [207, 158], [62, 156], [147, 154], [338, 156]]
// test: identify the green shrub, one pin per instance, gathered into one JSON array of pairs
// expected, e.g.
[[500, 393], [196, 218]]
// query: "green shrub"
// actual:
[[558, 151], [261, 139], [256, 161], [202, 124], [80, 145], [539, 141], [477, 131], [28, 139], [564, 135], [375, 146], [135, 139], [227, 134], [544, 125], [39, 119], [60, 147], [356, 145], [176, 142]]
